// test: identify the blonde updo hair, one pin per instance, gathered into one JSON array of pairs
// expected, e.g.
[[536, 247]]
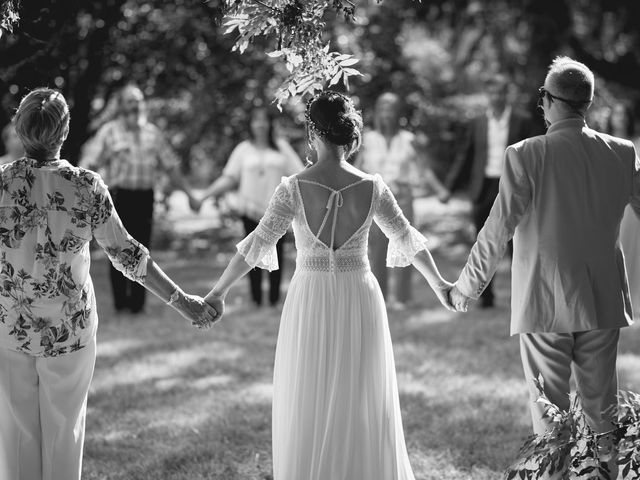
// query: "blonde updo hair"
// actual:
[[42, 123]]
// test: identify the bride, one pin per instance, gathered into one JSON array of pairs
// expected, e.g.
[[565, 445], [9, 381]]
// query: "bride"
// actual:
[[336, 412]]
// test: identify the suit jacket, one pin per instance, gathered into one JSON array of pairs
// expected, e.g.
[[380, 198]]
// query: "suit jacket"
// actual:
[[561, 197], [469, 165]]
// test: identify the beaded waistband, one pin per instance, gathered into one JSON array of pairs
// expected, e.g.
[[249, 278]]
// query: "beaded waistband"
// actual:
[[329, 264]]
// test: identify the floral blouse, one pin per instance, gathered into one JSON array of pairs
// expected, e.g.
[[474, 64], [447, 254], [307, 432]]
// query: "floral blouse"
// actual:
[[48, 215]]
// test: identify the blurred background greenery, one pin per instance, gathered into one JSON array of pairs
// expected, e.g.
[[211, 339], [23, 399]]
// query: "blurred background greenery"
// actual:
[[434, 53]]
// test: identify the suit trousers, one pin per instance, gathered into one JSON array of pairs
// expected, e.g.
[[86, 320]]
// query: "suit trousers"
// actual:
[[481, 209], [255, 274], [43, 403], [135, 208], [590, 356], [378, 245]]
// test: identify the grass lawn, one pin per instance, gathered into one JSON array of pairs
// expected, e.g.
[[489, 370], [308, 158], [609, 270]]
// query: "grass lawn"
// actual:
[[171, 402]]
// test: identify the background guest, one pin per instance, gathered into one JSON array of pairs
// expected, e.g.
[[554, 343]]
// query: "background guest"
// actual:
[[12, 144], [254, 170], [390, 150], [130, 152], [621, 123], [480, 161]]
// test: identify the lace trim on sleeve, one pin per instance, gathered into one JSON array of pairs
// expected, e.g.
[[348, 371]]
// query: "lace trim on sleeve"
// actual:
[[403, 248]]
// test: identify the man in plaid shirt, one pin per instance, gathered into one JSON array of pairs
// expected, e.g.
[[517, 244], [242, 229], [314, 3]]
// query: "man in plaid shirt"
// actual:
[[130, 152]]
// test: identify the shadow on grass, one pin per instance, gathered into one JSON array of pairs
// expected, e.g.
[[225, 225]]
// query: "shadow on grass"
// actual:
[[171, 402]]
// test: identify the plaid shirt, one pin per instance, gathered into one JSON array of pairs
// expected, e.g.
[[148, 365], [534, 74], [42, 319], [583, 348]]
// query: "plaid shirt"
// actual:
[[128, 159]]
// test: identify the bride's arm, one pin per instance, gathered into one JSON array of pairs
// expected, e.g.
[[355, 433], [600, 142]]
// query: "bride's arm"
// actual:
[[236, 269], [424, 263], [258, 249]]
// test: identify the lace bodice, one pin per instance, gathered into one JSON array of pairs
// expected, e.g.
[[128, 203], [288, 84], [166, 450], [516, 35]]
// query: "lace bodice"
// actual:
[[287, 207]]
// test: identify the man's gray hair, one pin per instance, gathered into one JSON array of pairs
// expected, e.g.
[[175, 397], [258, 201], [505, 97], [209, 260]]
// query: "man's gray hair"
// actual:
[[571, 80]]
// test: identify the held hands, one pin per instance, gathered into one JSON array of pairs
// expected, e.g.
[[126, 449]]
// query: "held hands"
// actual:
[[442, 292], [458, 300], [194, 308], [216, 301]]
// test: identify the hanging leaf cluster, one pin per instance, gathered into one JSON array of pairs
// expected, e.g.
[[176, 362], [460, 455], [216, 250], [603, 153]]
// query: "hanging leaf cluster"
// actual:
[[572, 448], [8, 14], [297, 26]]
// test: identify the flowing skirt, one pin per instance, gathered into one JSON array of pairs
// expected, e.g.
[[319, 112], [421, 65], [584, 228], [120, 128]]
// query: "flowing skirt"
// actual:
[[629, 238], [336, 412]]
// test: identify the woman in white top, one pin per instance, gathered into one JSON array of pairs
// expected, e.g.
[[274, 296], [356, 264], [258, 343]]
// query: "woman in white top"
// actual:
[[49, 212], [254, 170], [390, 151], [336, 410], [621, 124]]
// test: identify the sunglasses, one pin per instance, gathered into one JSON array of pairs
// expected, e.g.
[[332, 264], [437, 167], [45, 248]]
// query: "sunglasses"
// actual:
[[543, 92]]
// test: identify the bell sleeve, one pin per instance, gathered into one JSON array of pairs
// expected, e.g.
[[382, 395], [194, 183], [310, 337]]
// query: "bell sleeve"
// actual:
[[404, 240], [259, 247]]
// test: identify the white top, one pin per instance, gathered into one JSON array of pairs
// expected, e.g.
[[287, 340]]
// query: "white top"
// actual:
[[497, 138], [396, 161], [258, 172]]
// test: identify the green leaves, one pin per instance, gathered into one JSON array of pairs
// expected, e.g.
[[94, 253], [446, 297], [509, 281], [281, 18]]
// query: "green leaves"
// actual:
[[570, 445], [298, 27], [9, 14]]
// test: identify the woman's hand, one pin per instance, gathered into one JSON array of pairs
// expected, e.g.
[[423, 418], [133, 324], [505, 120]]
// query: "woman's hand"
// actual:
[[442, 292], [216, 301]]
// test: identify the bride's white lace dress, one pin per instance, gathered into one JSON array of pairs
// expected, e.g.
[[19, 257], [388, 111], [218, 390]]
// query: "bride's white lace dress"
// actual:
[[336, 412]]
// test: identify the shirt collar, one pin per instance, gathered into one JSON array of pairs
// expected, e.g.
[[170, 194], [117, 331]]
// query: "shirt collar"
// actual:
[[505, 114], [575, 123]]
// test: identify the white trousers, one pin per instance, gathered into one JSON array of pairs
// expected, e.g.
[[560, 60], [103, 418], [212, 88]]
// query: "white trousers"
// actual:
[[592, 358], [43, 402]]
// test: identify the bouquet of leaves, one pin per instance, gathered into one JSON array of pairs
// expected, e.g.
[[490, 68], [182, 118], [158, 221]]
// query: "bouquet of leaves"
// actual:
[[572, 449]]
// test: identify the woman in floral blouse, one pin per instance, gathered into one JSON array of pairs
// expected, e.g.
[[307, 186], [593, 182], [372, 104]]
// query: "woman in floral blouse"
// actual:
[[49, 212]]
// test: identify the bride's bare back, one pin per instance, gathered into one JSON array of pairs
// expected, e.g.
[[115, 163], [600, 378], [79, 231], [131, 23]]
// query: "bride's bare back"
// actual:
[[335, 193]]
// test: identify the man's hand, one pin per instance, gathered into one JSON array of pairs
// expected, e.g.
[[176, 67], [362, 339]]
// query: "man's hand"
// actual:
[[458, 300]]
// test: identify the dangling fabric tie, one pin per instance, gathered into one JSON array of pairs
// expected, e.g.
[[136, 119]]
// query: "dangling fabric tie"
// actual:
[[335, 201]]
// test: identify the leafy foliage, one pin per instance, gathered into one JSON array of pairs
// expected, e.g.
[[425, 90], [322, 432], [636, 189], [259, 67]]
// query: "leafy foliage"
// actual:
[[9, 14], [572, 448], [299, 28]]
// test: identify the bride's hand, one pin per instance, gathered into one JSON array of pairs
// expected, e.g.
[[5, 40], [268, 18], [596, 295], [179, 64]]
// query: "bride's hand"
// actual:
[[195, 309], [442, 292], [217, 302]]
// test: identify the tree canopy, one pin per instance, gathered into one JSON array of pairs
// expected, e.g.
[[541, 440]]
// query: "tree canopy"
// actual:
[[204, 64]]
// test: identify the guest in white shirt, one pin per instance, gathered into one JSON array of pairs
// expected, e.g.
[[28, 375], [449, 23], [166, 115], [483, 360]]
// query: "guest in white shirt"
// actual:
[[479, 163], [254, 170]]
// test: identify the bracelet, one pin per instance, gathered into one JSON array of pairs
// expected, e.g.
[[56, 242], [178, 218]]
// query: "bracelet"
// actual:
[[174, 296]]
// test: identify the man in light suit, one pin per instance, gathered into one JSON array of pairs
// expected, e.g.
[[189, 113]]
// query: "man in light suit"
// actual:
[[479, 163], [561, 197]]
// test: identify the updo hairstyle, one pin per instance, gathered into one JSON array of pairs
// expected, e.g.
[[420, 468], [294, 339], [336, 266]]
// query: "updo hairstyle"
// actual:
[[333, 117], [42, 123]]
